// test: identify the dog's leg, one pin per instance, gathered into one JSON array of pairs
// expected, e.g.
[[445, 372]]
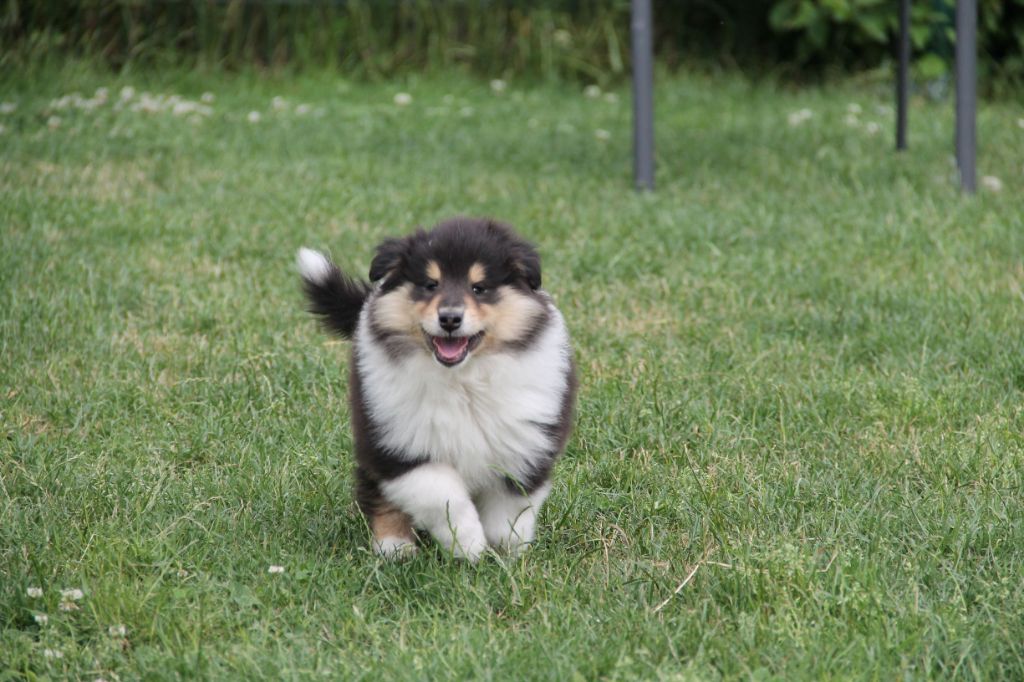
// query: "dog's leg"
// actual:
[[436, 498], [391, 527], [392, 533], [509, 517]]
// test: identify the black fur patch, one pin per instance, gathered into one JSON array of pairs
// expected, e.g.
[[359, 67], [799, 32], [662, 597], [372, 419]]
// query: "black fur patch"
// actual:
[[456, 245], [336, 300]]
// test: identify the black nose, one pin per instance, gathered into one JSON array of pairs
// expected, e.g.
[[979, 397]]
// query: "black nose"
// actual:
[[450, 320]]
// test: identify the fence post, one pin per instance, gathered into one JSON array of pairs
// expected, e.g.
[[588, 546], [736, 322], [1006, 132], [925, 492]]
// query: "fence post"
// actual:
[[643, 94], [966, 92], [903, 76]]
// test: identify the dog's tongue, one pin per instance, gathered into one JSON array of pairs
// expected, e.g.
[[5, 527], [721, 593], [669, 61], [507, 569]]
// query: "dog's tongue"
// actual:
[[450, 348]]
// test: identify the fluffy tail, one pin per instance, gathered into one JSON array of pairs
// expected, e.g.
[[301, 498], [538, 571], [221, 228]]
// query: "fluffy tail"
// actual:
[[335, 298]]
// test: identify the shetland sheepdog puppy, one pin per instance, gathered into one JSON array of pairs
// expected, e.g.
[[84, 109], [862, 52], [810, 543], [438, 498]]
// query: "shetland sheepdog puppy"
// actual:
[[462, 385]]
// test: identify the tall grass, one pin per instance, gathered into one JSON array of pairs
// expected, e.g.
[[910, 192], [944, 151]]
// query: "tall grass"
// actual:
[[375, 39], [550, 39]]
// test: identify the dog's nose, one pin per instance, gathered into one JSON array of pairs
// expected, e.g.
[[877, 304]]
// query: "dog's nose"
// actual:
[[449, 318]]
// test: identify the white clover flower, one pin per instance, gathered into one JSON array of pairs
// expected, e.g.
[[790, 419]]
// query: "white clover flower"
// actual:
[[53, 122], [127, 92], [851, 120], [207, 97], [872, 127], [1020, 122], [592, 91], [117, 631], [74, 594], [302, 109], [992, 183], [101, 94], [41, 618], [8, 107], [498, 85], [611, 98], [403, 99], [853, 108], [52, 653], [602, 135], [253, 117], [799, 117], [278, 103], [67, 606], [34, 592], [275, 569], [562, 38], [148, 103]]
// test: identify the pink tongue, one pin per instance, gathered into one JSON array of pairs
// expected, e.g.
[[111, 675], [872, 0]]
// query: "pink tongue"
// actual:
[[450, 348]]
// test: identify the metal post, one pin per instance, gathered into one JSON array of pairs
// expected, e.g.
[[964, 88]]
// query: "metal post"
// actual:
[[966, 92], [643, 94], [902, 76]]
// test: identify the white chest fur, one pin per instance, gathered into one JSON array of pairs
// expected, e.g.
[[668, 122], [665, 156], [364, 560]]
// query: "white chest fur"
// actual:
[[485, 417]]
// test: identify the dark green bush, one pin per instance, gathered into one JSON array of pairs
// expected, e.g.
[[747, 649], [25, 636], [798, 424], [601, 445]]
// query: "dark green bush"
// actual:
[[575, 39]]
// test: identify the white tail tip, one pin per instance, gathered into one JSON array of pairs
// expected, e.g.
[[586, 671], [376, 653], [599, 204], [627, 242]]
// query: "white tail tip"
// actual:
[[313, 265]]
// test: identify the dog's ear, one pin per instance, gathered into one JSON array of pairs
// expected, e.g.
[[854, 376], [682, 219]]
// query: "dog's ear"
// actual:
[[525, 261], [390, 257]]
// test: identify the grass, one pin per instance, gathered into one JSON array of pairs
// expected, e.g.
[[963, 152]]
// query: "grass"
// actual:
[[801, 361]]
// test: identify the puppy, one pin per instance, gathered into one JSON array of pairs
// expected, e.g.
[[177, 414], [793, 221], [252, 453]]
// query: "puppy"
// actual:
[[462, 385]]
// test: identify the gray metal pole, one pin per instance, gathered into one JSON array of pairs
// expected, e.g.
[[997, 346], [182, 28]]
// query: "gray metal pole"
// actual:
[[643, 94], [966, 92], [903, 76]]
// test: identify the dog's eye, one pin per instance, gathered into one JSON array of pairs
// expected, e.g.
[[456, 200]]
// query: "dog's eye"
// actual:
[[430, 285], [479, 289]]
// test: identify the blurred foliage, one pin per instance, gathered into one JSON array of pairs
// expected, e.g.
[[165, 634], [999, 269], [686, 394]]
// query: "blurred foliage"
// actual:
[[573, 39], [860, 31]]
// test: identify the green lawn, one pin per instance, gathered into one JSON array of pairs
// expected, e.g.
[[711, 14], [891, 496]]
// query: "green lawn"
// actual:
[[802, 368]]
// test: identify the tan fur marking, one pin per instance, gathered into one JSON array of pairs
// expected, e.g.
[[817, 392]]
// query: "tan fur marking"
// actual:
[[510, 318], [477, 274], [392, 523], [394, 311], [426, 311], [472, 316], [434, 271]]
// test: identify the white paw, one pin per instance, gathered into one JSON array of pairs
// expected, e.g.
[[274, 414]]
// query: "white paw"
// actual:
[[513, 545], [469, 546], [394, 548]]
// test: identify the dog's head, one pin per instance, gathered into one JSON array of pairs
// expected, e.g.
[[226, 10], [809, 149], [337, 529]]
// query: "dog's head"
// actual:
[[466, 287]]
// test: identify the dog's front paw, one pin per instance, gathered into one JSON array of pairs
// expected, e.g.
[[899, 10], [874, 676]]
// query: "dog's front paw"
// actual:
[[513, 545], [469, 546], [395, 548]]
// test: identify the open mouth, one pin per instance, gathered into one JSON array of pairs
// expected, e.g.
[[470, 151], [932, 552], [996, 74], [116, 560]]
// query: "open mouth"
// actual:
[[451, 350]]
